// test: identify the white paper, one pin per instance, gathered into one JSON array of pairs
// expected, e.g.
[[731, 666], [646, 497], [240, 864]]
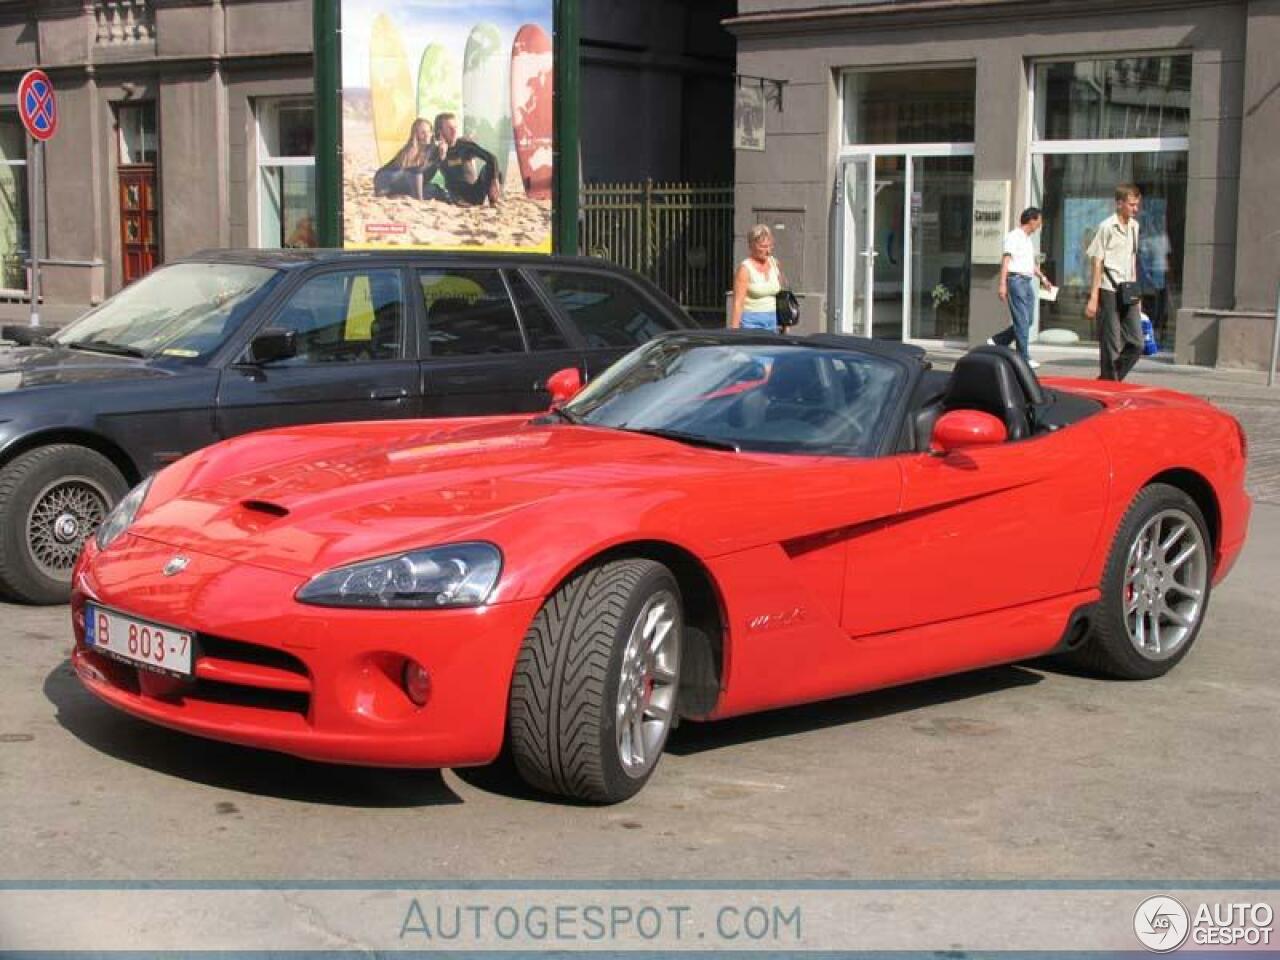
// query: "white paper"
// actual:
[[1049, 293]]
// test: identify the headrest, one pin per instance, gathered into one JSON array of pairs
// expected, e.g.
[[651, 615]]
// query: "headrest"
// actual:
[[1026, 377]]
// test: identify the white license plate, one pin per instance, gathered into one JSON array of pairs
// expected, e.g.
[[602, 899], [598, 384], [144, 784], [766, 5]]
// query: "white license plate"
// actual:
[[150, 645]]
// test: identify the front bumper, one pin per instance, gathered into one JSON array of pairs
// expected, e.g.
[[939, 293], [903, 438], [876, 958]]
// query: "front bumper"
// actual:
[[315, 682]]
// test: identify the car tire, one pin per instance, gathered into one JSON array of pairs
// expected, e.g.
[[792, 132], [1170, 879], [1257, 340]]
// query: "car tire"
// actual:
[[51, 500], [594, 693], [1155, 588]]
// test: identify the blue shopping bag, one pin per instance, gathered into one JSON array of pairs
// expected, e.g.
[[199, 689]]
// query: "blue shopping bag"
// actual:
[[1149, 345]]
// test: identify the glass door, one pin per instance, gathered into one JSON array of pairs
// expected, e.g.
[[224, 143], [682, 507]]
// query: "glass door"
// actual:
[[888, 247], [941, 215], [872, 245], [854, 249]]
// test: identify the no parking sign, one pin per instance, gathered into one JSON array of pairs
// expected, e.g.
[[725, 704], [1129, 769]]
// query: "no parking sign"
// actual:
[[37, 105]]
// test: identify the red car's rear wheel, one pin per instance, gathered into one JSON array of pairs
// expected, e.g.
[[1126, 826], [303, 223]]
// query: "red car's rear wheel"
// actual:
[[1155, 588]]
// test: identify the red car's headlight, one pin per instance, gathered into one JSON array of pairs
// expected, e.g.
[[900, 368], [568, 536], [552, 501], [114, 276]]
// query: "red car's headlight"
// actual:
[[118, 520], [458, 575]]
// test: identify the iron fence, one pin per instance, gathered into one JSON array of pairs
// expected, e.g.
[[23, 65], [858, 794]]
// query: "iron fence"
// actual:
[[679, 235]]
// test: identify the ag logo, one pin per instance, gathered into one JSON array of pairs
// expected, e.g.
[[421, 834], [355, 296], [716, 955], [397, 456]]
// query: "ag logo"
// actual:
[[1161, 923], [176, 565]]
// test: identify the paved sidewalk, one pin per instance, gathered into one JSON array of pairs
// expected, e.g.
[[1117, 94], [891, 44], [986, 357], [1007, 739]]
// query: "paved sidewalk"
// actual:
[[1244, 393]]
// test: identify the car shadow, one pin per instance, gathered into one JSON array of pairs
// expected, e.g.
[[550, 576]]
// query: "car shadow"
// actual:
[[231, 767], [693, 738]]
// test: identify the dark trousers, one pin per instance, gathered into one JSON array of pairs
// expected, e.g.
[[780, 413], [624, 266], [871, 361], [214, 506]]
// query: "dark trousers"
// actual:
[[1119, 336], [472, 194], [391, 182]]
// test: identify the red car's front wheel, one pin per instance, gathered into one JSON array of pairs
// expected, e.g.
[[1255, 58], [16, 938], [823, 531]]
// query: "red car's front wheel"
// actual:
[[596, 683]]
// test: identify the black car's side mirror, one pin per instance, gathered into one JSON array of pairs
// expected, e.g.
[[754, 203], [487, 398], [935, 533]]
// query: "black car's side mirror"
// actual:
[[272, 344]]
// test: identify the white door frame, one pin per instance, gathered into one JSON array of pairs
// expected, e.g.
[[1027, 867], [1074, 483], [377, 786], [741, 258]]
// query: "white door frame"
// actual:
[[848, 272]]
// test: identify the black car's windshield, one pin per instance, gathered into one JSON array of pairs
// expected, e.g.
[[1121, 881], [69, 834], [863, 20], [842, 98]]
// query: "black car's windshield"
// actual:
[[770, 397], [184, 311]]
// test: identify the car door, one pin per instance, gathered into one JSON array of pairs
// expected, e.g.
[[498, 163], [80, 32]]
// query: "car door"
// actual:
[[611, 314], [489, 342], [355, 356], [981, 529]]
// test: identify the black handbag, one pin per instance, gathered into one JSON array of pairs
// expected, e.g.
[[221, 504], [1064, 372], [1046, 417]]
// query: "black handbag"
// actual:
[[788, 309], [1127, 292]]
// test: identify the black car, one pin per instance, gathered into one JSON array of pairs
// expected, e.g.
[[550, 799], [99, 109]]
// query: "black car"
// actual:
[[222, 343]]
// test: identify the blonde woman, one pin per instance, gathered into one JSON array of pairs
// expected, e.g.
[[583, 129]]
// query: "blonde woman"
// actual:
[[756, 285], [409, 172]]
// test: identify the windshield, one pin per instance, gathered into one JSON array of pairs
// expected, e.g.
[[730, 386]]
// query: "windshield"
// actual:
[[185, 311], [770, 397]]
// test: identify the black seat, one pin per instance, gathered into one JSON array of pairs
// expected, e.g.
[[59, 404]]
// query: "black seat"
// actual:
[[997, 381]]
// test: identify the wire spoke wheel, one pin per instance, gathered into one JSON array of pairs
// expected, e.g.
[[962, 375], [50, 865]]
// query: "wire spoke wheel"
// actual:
[[647, 685], [1165, 580], [64, 514]]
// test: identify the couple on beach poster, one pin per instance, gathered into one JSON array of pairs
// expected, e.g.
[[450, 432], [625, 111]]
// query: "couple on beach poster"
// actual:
[[447, 124]]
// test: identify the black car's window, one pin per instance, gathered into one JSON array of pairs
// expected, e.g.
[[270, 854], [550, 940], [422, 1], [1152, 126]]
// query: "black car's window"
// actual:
[[346, 316], [539, 326], [184, 311], [468, 312], [767, 397], [607, 311]]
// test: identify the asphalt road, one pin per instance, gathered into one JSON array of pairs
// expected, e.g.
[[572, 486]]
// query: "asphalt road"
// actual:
[[1020, 772]]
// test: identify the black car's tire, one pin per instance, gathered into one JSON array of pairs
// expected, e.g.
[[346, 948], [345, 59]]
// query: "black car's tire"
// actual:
[[594, 692], [51, 499], [1155, 588]]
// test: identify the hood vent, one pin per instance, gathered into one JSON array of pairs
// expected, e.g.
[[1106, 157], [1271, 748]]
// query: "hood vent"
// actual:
[[263, 506]]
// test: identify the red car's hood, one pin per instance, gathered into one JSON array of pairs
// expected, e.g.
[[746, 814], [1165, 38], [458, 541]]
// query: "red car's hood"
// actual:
[[332, 495]]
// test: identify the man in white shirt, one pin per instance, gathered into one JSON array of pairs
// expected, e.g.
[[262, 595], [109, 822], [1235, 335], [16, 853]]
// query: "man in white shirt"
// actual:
[[1019, 273], [1114, 252]]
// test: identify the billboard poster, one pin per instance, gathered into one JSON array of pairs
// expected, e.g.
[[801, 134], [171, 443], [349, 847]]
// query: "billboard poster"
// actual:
[[447, 124]]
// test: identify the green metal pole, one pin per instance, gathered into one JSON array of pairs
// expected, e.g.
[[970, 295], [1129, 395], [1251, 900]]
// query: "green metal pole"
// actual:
[[328, 106], [567, 110]]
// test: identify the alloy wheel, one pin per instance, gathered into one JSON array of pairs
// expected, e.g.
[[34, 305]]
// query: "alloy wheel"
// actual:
[[63, 516], [648, 684], [1165, 584]]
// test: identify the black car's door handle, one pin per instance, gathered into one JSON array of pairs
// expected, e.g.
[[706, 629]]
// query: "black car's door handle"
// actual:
[[389, 393]]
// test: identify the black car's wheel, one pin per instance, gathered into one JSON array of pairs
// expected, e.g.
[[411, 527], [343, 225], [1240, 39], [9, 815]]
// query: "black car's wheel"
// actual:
[[51, 500], [1155, 588], [594, 692]]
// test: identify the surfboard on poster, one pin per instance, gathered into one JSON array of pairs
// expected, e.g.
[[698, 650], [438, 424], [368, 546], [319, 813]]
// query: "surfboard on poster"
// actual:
[[390, 88], [486, 88], [439, 84], [531, 108]]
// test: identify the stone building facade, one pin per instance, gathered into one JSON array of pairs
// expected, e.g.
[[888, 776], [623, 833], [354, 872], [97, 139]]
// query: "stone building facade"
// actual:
[[899, 120], [187, 124], [174, 130]]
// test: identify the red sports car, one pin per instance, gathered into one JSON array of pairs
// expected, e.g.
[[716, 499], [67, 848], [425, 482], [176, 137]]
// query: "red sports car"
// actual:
[[721, 523]]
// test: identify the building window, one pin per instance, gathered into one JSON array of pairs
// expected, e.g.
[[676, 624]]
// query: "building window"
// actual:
[[1098, 123], [137, 125], [15, 240], [909, 106], [286, 173]]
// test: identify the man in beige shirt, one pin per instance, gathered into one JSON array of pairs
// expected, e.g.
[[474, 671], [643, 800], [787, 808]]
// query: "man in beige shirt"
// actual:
[[1114, 254]]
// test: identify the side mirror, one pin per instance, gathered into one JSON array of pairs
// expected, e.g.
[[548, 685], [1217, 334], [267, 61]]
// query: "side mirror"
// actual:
[[966, 428], [564, 385], [272, 344]]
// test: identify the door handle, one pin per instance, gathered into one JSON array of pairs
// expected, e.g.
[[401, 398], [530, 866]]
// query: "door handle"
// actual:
[[872, 254], [389, 393]]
